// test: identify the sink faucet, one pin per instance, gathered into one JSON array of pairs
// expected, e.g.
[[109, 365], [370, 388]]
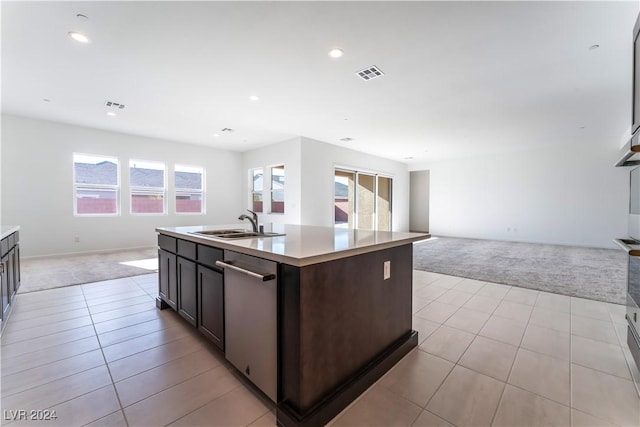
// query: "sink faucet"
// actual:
[[253, 219]]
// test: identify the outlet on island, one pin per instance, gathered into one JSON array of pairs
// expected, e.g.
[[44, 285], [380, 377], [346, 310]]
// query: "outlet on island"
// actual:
[[387, 270]]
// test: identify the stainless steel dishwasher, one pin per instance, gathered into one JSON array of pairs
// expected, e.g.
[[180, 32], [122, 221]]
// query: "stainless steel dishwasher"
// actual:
[[250, 314]]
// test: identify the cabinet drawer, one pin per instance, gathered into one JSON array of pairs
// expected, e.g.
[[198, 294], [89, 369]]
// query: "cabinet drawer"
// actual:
[[186, 249], [4, 246], [12, 240], [167, 243], [208, 255]]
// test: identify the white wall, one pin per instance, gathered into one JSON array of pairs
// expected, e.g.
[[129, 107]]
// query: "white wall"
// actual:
[[319, 162], [285, 153], [309, 180], [419, 201], [37, 191], [565, 195]]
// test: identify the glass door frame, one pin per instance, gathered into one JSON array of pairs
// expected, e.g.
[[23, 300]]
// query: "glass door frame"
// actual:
[[356, 174]]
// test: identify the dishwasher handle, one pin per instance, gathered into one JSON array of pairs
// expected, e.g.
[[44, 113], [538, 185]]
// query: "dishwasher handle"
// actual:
[[229, 265]]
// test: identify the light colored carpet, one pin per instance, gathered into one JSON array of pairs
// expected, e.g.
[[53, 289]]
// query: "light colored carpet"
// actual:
[[593, 273], [37, 274]]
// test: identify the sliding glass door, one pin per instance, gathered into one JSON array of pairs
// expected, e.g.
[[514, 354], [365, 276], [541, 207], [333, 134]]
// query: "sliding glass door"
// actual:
[[362, 200], [383, 203]]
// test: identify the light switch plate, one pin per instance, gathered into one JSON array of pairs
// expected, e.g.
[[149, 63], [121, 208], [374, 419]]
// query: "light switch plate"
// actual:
[[387, 270]]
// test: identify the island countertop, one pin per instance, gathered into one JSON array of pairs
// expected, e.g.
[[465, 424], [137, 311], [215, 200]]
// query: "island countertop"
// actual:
[[6, 230], [300, 245]]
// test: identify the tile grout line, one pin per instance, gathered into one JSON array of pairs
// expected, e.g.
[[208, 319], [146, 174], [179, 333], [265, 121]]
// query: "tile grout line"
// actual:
[[49, 363], [46, 334], [196, 350], [44, 324], [622, 342], [113, 385], [205, 404], [142, 351], [495, 412]]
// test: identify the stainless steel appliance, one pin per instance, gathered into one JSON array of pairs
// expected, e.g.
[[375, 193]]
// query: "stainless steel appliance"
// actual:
[[251, 315], [633, 295], [632, 246]]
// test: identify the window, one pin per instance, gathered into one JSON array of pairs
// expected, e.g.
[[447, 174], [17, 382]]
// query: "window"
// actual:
[[96, 185], [362, 200], [344, 198], [189, 184], [277, 189], [256, 177], [147, 182]]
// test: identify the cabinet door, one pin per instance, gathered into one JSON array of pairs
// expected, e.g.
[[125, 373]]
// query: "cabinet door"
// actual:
[[211, 305], [16, 265], [187, 290], [5, 287], [12, 278], [168, 281]]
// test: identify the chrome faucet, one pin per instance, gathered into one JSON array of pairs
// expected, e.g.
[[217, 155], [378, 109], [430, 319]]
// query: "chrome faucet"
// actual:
[[253, 219]]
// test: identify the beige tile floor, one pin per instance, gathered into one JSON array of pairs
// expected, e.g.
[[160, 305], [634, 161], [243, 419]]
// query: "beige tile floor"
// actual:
[[101, 354]]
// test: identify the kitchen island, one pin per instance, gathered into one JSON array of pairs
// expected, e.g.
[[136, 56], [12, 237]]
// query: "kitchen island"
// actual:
[[312, 317]]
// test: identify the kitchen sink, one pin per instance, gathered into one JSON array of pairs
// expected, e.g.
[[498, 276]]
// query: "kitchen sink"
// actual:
[[235, 234], [218, 232]]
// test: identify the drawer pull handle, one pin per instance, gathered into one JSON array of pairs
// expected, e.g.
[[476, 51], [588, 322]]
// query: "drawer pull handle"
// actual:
[[229, 265]]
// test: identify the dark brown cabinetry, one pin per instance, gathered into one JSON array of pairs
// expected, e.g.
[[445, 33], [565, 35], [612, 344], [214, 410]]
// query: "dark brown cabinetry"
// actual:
[[187, 290], [9, 272], [168, 280], [211, 305], [6, 293], [190, 283]]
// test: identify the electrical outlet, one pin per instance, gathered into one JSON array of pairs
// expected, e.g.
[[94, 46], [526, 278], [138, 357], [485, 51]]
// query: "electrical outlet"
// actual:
[[387, 270], [76, 239]]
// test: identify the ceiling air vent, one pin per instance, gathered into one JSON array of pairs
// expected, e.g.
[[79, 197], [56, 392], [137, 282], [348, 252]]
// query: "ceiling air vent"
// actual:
[[114, 105], [370, 73]]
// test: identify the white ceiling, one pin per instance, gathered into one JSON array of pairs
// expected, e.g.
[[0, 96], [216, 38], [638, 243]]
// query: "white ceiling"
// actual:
[[460, 77]]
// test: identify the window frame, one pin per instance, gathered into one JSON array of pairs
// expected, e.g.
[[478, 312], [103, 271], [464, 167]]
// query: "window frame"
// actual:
[[116, 188], [202, 191], [146, 190], [253, 191], [356, 173], [272, 190]]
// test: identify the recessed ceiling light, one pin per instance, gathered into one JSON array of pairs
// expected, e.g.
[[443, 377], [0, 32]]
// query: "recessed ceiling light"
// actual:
[[409, 158], [46, 99], [336, 53], [346, 139], [82, 16], [594, 46], [79, 37], [254, 98], [226, 130], [111, 114]]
